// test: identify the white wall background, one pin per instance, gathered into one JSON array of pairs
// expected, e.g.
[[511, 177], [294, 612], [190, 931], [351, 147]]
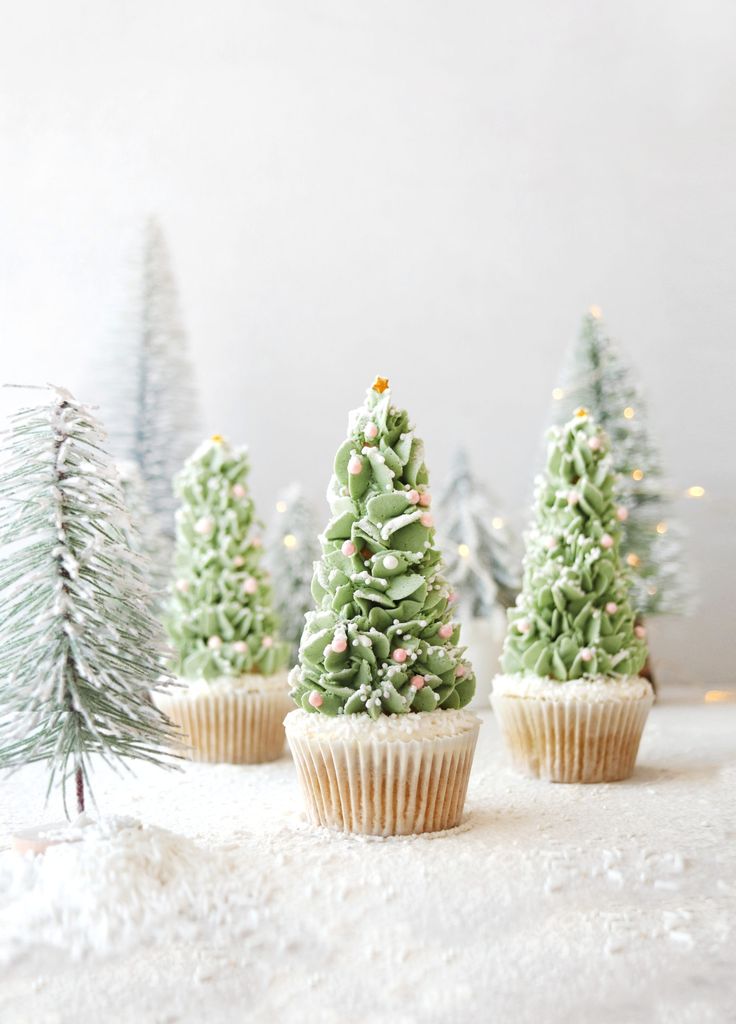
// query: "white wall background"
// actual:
[[434, 191]]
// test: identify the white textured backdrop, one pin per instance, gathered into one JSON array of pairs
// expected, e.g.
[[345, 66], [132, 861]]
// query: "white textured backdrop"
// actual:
[[433, 191]]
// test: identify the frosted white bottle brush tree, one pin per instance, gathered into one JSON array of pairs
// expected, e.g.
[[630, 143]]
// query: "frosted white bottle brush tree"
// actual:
[[79, 647]]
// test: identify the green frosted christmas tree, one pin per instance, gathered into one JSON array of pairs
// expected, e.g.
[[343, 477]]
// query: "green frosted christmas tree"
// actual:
[[573, 618], [221, 621], [596, 377], [382, 639]]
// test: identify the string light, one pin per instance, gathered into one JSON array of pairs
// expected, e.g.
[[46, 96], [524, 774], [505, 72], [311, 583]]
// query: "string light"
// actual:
[[695, 492], [716, 696], [633, 560], [497, 522], [661, 528], [463, 550], [596, 312], [638, 474], [290, 540], [281, 506], [557, 394], [629, 413]]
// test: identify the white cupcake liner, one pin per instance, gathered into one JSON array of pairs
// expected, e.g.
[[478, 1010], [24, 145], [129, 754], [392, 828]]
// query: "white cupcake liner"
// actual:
[[383, 786], [230, 725], [573, 740]]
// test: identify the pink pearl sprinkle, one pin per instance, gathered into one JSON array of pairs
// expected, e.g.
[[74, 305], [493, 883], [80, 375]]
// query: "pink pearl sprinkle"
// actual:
[[214, 643], [640, 631], [417, 682], [452, 597], [460, 671], [240, 647], [412, 497], [371, 431], [256, 542], [400, 655], [611, 607], [586, 654], [523, 625], [622, 513], [573, 498], [182, 586], [348, 548], [238, 561], [251, 585], [606, 541], [550, 543], [425, 499], [267, 641], [316, 699], [427, 520], [355, 466], [445, 631], [594, 443], [339, 644], [239, 491]]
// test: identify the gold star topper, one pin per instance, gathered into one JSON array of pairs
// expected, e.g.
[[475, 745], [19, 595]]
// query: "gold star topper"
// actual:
[[217, 438], [580, 412], [380, 384]]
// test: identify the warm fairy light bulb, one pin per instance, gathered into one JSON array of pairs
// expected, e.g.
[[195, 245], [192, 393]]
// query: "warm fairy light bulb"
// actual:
[[463, 550], [633, 560], [281, 506], [629, 413], [290, 541], [716, 696], [695, 492], [638, 474], [651, 590], [596, 312], [497, 522], [557, 394], [661, 528]]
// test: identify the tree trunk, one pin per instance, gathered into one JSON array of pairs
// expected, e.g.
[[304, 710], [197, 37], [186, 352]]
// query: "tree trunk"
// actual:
[[79, 778]]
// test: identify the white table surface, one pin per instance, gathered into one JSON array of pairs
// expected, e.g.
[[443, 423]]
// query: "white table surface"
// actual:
[[550, 903]]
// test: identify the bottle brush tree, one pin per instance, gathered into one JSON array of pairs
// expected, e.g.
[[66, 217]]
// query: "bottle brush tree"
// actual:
[[482, 563], [291, 548], [79, 647], [596, 377]]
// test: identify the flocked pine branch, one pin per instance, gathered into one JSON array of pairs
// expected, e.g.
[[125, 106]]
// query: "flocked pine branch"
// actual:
[[596, 377], [79, 647], [152, 409]]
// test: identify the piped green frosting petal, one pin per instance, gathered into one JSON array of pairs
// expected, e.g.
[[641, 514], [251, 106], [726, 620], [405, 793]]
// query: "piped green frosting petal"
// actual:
[[573, 618], [381, 639]]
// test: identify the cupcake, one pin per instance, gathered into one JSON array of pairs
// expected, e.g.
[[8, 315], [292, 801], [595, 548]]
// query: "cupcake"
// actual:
[[233, 689], [381, 741], [570, 704]]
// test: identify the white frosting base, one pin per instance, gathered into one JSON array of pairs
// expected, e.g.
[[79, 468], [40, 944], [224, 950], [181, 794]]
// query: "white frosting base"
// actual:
[[595, 690], [195, 689], [423, 725]]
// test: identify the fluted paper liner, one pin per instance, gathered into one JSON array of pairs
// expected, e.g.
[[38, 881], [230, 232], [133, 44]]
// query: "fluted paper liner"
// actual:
[[572, 740], [235, 727], [384, 787]]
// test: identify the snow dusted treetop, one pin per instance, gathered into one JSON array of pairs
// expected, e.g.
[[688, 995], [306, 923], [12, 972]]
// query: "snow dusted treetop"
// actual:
[[596, 377], [154, 419], [482, 563], [79, 647]]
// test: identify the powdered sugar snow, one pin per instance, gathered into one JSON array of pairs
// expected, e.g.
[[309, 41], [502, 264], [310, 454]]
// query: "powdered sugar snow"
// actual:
[[115, 885]]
